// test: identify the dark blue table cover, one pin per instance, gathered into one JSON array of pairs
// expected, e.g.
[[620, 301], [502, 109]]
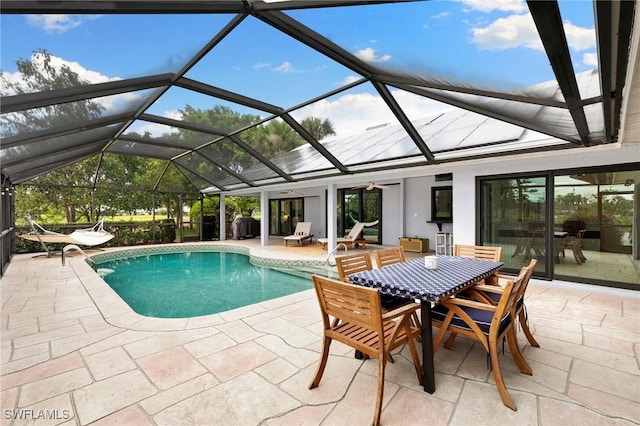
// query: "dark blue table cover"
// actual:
[[412, 280]]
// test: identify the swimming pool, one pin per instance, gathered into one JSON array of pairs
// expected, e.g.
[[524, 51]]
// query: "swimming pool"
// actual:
[[195, 283]]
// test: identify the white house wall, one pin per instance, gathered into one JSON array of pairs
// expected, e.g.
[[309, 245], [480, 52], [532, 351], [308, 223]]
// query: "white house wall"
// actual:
[[464, 176]]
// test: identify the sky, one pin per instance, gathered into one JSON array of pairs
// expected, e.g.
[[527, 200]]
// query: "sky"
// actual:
[[483, 43]]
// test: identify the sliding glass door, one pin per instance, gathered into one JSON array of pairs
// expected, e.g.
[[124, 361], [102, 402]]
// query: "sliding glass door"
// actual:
[[361, 205], [581, 225], [599, 214], [513, 215], [284, 215]]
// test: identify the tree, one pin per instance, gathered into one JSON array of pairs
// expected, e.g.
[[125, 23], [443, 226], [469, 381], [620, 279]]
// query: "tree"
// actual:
[[39, 75], [242, 206], [318, 128], [95, 184]]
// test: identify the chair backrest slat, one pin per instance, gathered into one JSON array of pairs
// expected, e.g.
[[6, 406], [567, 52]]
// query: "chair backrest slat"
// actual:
[[526, 273], [353, 263], [478, 252], [350, 303], [389, 256], [508, 302]]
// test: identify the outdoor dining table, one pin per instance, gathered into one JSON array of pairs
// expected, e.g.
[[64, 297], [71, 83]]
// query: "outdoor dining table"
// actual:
[[412, 280]]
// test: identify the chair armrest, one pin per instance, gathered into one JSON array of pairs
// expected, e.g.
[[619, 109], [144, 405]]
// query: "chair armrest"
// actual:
[[469, 303], [401, 311], [498, 280], [489, 288]]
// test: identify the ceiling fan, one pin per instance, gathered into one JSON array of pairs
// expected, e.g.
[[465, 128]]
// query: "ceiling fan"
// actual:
[[290, 192], [372, 185]]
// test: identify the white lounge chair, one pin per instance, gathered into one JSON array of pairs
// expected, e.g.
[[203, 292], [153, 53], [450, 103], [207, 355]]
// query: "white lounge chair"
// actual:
[[89, 237], [301, 234], [353, 237]]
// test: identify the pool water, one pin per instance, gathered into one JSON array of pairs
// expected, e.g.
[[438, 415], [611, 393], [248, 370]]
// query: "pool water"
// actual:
[[185, 285]]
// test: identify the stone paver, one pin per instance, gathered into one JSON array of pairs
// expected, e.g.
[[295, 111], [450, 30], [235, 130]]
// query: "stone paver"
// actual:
[[72, 351]]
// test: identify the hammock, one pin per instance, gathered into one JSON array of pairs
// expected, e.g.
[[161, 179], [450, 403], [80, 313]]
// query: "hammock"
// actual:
[[90, 237]]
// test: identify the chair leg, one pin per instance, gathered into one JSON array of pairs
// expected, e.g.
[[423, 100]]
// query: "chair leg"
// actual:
[[577, 257], [497, 376], [449, 342], [416, 323], [516, 353], [416, 359], [323, 363], [378, 412], [581, 255], [525, 328], [442, 331]]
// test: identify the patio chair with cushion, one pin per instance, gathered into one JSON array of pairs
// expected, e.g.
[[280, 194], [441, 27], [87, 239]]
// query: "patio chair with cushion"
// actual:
[[487, 323], [301, 234], [521, 309], [354, 237], [353, 315]]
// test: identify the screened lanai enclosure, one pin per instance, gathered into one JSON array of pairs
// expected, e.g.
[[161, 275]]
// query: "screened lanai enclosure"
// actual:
[[196, 98]]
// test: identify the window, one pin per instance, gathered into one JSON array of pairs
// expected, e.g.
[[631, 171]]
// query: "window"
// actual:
[[441, 204]]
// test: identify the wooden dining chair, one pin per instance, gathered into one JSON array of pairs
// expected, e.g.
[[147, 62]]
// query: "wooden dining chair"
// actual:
[[477, 293], [487, 323], [360, 323], [352, 263], [389, 256], [521, 309], [478, 252]]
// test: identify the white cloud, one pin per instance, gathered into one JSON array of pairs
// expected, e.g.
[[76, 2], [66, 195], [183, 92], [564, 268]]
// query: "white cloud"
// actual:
[[590, 59], [57, 63], [491, 5], [112, 104], [579, 38], [519, 30], [83, 73], [285, 67], [441, 15], [261, 65], [58, 23], [506, 33], [369, 55], [155, 130], [173, 114], [350, 79], [355, 112]]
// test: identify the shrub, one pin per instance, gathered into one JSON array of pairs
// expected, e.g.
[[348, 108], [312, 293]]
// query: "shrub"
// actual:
[[125, 234]]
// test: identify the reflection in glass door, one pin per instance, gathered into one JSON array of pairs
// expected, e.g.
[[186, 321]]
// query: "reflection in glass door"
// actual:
[[361, 205], [513, 215], [284, 215], [595, 212], [589, 234]]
